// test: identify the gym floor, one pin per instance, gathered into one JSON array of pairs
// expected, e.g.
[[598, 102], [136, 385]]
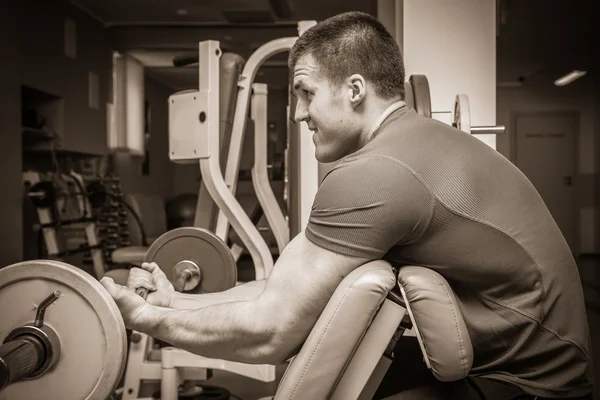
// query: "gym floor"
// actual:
[[243, 388]]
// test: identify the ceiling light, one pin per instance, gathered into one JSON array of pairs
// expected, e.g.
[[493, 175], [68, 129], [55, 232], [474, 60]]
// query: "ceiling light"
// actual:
[[182, 11], [570, 77]]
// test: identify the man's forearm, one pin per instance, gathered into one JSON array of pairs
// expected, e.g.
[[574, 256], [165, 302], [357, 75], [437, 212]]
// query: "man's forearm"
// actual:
[[234, 331], [243, 292]]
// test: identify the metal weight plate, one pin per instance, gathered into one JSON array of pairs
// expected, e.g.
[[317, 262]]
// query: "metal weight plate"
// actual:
[[84, 317], [462, 114], [190, 247], [422, 95], [409, 97]]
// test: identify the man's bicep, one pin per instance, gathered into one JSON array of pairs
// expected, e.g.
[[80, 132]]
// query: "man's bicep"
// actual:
[[302, 282]]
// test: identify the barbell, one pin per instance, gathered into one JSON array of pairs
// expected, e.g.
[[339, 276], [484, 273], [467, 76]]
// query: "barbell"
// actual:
[[418, 96], [62, 334]]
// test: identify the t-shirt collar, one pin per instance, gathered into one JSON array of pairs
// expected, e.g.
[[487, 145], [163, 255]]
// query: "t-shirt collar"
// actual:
[[388, 111]]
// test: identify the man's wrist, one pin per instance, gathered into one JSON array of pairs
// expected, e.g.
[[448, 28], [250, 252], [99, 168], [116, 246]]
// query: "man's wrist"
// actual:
[[171, 299], [147, 320]]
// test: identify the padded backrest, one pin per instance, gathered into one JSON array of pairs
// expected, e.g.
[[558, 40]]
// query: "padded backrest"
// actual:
[[231, 66], [150, 208], [316, 369], [437, 322]]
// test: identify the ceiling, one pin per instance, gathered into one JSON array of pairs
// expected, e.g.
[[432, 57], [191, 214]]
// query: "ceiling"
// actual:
[[534, 36], [546, 37]]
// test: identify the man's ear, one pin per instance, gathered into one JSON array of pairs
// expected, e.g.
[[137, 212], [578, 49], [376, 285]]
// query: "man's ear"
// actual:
[[357, 89]]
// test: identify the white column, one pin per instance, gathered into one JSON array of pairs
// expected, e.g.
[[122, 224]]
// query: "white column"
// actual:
[[454, 44], [389, 12]]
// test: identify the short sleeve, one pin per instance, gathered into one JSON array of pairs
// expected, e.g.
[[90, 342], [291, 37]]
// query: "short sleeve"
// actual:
[[366, 206]]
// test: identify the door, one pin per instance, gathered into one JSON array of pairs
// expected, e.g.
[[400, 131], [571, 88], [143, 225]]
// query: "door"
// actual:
[[545, 152]]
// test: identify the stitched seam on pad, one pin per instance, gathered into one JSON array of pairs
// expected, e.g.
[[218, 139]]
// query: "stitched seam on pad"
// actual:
[[460, 338], [487, 223], [309, 361]]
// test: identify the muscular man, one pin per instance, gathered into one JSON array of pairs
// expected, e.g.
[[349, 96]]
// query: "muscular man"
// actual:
[[410, 190]]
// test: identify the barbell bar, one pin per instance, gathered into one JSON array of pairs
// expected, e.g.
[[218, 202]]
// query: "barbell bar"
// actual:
[[418, 96]]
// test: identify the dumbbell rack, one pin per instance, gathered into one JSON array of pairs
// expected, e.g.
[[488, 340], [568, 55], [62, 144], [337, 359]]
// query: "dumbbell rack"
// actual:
[[111, 217]]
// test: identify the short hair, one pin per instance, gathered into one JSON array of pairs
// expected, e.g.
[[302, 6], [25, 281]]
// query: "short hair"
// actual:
[[354, 43]]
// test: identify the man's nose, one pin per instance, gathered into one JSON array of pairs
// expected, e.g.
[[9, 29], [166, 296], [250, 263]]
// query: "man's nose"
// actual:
[[301, 112]]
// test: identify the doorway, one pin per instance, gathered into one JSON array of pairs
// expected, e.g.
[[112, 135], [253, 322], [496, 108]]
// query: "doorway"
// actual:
[[544, 148]]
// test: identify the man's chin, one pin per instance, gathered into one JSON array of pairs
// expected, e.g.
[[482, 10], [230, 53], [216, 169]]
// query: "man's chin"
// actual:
[[325, 158]]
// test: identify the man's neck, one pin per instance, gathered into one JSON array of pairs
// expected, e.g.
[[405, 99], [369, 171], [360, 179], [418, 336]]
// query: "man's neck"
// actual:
[[377, 112]]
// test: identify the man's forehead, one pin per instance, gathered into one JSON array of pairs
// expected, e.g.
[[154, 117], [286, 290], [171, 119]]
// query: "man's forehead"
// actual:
[[306, 72], [306, 65]]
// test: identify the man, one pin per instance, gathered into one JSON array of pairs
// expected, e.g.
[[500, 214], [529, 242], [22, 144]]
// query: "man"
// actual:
[[410, 190]]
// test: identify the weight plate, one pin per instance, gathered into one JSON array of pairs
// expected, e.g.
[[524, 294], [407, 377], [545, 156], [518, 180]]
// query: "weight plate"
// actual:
[[462, 114], [86, 320], [422, 95], [218, 270], [409, 98]]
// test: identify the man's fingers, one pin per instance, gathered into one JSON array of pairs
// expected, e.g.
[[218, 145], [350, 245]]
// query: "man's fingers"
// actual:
[[150, 267], [154, 269], [140, 278], [111, 287]]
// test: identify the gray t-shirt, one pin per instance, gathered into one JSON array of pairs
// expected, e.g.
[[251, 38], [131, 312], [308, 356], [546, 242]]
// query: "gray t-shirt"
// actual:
[[423, 193]]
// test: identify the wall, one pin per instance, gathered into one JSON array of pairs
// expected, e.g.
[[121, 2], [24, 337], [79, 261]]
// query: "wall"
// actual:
[[10, 136], [454, 44], [539, 94], [46, 67], [129, 168]]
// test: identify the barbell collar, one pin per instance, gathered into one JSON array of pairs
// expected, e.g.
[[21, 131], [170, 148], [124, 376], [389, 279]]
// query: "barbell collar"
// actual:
[[49, 340], [186, 275]]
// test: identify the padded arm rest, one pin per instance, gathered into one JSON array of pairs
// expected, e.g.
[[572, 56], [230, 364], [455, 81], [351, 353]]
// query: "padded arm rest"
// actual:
[[129, 255], [314, 372], [437, 322]]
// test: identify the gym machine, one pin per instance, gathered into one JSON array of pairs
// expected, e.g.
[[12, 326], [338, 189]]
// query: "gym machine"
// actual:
[[260, 172]]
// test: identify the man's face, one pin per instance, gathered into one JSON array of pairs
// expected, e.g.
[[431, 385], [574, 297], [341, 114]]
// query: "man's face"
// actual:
[[326, 110]]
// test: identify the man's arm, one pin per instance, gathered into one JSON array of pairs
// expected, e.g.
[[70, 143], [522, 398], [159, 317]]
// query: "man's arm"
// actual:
[[246, 291], [265, 330]]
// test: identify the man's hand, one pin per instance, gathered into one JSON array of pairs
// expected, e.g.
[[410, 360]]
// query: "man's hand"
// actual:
[[151, 277], [131, 305]]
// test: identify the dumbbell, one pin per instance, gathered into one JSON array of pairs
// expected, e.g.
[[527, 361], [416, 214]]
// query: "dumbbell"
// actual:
[[62, 334], [418, 96]]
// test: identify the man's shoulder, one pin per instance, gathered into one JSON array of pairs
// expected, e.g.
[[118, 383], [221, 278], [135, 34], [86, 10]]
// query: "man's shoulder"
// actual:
[[371, 177], [368, 164]]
